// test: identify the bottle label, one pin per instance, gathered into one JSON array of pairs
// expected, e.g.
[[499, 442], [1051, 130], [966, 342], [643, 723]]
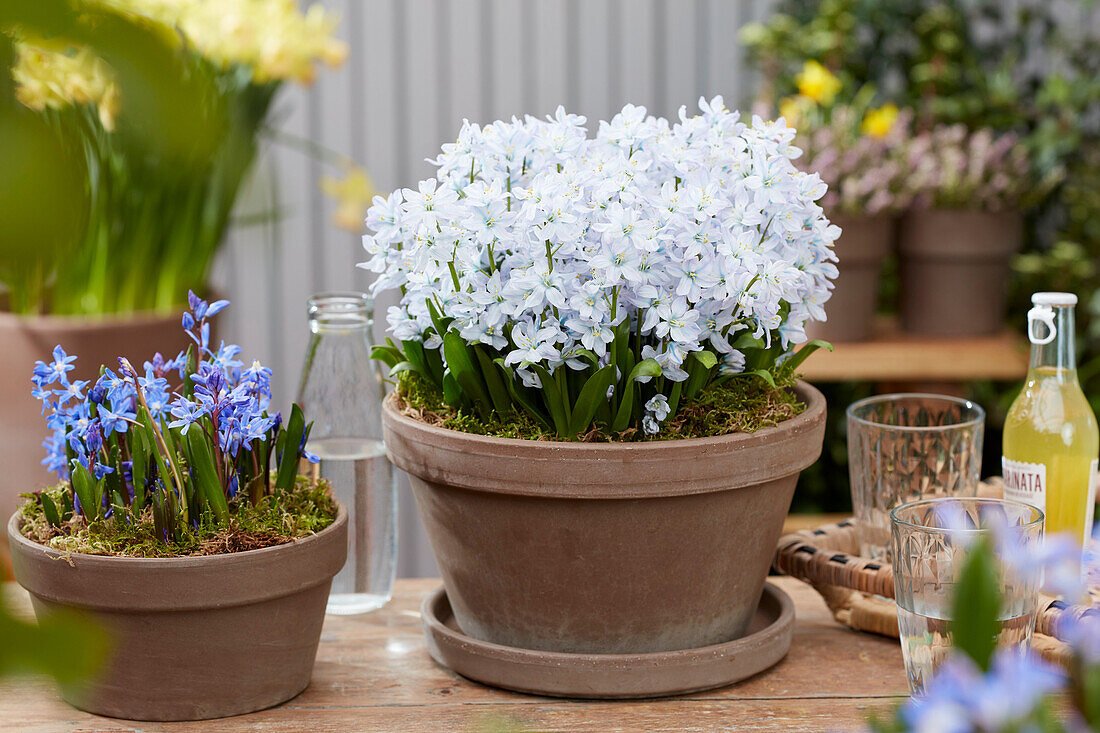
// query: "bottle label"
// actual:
[[1090, 507], [1026, 482]]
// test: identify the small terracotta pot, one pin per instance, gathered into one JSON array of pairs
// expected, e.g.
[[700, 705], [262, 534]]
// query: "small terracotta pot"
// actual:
[[193, 637], [27, 339], [863, 245], [955, 266], [604, 548]]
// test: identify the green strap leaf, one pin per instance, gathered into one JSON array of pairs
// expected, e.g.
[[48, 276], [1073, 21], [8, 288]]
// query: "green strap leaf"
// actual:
[[462, 367], [435, 365], [644, 368], [139, 456], [976, 607], [442, 325], [592, 394], [49, 509], [189, 369], [674, 398], [747, 341], [414, 353], [498, 393], [706, 358], [551, 395], [403, 366], [388, 355], [201, 458], [452, 392], [292, 441], [160, 515], [83, 484], [588, 355], [165, 464], [762, 373], [802, 354], [520, 396]]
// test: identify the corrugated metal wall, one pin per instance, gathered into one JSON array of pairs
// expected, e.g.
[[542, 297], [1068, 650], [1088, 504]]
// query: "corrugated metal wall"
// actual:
[[416, 69]]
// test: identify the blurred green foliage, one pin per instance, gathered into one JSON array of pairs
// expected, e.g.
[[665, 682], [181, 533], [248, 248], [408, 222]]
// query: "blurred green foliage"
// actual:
[[68, 647], [88, 213]]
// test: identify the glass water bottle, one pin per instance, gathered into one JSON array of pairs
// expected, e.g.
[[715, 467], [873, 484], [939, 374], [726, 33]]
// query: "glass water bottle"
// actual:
[[1050, 436], [342, 392]]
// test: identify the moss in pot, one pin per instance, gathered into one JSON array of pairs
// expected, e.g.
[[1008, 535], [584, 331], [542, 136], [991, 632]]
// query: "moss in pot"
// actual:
[[595, 350], [182, 527]]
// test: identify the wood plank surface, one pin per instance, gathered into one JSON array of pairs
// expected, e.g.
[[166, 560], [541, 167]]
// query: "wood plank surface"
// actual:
[[373, 673], [893, 356]]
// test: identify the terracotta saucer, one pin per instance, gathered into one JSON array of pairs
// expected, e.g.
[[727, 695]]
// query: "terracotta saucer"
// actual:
[[610, 676]]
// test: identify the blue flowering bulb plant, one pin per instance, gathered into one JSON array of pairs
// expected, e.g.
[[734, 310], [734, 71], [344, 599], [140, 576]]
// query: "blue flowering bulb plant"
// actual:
[[638, 283], [174, 456], [986, 688]]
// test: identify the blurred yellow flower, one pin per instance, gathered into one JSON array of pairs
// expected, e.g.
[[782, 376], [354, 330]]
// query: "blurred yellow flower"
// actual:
[[790, 109], [879, 122], [352, 194], [817, 83], [50, 75], [271, 37]]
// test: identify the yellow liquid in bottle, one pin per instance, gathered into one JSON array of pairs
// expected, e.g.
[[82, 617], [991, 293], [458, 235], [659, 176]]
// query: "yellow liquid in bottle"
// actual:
[[1051, 423]]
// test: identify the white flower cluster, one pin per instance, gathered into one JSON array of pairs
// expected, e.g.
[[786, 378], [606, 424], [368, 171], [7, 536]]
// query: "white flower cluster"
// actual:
[[538, 240]]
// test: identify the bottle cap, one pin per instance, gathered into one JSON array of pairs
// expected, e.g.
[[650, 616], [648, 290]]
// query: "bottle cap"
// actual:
[[1054, 299]]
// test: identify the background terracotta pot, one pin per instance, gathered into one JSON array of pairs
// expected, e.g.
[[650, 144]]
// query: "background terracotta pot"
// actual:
[[604, 548], [194, 637], [26, 339], [863, 245], [955, 266]]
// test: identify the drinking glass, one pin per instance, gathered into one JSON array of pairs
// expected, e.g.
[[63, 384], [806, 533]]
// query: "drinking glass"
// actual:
[[930, 542], [905, 447], [342, 393]]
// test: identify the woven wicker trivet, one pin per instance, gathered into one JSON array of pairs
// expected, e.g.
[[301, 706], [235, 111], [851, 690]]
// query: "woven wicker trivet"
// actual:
[[859, 591]]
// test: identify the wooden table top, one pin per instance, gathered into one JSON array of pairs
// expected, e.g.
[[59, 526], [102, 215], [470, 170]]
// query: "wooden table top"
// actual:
[[373, 673]]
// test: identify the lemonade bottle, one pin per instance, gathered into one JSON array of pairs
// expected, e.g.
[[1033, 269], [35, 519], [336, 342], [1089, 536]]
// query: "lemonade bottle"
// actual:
[[1050, 437]]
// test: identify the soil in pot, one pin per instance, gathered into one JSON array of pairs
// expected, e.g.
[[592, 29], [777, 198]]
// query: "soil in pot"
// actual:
[[27, 339], [863, 246], [604, 547], [955, 266], [194, 637]]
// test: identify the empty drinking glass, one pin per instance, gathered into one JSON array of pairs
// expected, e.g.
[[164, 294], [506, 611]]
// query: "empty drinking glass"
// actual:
[[930, 543], [904, 447], [342, 391]]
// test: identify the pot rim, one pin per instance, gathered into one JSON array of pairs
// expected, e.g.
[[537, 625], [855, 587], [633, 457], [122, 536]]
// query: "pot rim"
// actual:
[[16, 537], [555, 469], [815, 403]]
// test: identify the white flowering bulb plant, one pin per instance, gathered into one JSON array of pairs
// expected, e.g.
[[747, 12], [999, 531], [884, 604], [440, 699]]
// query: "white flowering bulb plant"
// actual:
[[603, 281]]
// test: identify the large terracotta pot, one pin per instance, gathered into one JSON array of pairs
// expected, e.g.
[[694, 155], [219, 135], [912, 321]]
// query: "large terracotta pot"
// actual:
[[26, 339], [193, 637], [955, 267], [604, 548], [863, 245]]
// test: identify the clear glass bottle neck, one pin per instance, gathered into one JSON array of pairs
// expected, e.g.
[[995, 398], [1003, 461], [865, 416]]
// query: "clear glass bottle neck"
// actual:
[[1059, 354], [340, 313]]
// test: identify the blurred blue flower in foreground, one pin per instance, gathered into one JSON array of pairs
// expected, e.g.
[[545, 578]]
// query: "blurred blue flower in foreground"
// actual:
[[961, 698], [1013, 689]]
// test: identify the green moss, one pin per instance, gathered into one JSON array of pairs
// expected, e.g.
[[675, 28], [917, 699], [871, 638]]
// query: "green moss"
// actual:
[[426, 401], [741, 405], [305, 509]]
